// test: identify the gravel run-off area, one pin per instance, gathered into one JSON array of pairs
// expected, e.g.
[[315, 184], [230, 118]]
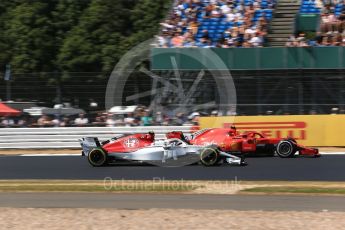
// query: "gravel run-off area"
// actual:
[[89, 219]]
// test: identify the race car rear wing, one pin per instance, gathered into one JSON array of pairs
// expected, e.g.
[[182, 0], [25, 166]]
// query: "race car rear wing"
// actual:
[[89, 143]]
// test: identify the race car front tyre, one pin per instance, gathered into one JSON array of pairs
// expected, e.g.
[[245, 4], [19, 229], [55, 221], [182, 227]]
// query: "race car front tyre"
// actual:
[[97, 158], [210, 156], [286, 149]]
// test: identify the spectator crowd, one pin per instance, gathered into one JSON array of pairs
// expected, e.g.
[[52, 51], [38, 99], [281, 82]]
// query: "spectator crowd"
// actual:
[[245, 23], [140, 117], [332, 24], [217, 23]]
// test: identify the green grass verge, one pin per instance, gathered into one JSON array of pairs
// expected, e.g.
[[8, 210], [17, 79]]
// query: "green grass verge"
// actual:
[[301, 190]]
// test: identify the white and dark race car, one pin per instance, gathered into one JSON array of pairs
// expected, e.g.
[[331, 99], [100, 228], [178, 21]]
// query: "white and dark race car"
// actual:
[[142, 147]]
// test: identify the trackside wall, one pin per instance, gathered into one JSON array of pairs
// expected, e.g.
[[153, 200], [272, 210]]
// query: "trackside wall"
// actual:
[[309, 130]]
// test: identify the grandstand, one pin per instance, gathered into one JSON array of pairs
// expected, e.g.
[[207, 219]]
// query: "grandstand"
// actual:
[[274, 79], [312, 7], [338, 8], [253, 23], [217, 23]]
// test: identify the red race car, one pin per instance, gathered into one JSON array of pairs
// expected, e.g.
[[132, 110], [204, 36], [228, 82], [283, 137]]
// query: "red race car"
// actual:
[[144, 148], [253, 143]]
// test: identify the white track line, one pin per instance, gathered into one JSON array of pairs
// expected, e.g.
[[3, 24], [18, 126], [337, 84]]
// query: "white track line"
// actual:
[[332, 153], [50, 155]]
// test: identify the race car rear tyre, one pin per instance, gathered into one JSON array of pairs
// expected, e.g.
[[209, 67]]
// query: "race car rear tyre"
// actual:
[[97, 158], [286, 149], [210, 156]]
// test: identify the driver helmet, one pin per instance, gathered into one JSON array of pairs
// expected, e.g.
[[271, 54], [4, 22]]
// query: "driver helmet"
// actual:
[[151, 135]]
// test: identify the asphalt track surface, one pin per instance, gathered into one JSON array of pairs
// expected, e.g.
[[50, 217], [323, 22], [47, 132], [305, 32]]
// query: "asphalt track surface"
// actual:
[[148, 201], [325, 168]]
